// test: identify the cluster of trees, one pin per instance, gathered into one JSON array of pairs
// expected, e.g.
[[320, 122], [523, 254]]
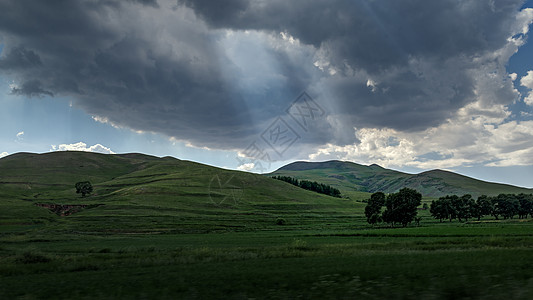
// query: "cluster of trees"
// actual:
[[311, 185], [400, 207], [465, 207]]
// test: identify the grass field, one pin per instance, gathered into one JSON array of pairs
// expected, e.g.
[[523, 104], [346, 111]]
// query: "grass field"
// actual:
[[171, 229], [434, 261]]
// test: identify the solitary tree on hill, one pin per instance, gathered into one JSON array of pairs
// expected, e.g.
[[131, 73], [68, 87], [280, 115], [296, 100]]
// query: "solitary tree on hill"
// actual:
[[84, 188]]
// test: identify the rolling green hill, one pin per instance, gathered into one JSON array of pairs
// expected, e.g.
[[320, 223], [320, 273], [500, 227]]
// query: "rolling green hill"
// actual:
[[163, 228], [132, 191], [354, 179], [141, 193]]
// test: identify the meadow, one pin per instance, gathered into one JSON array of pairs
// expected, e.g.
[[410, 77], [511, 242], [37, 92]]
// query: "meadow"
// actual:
[[479, 260], [166, 231]]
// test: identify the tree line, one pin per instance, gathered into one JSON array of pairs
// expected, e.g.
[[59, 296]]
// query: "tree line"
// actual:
[[506, 206], [311, 186], [400, 207]]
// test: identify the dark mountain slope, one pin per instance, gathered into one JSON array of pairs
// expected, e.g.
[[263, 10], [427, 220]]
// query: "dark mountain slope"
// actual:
[[351, 178]]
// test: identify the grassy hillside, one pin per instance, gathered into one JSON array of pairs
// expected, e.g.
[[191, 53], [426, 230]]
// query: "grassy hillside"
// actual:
[[163, 228], [354, 179], [178, 196]]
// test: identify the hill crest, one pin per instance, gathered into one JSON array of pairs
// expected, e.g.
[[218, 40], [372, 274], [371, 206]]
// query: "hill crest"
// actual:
[[352, 177]]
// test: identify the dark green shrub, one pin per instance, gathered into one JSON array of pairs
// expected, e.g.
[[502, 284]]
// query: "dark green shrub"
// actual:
[[281, 221]]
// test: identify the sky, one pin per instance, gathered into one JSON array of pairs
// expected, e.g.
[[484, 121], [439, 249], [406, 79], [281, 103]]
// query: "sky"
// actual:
[[253, 85]]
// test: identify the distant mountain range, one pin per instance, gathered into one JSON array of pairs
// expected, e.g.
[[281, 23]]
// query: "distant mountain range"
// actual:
[[352, 179]]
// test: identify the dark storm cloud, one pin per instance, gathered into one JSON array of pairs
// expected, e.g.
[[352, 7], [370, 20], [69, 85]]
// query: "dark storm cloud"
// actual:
[[108, 57], [220, 13], [193, 70], [387, 41], [152, 3], [32, 88], [365, 31], [19, 58]]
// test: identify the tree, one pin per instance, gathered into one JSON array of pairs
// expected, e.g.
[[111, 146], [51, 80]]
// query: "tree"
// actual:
[[373, 208], [401, 206], [475, 210], [455, 205], [526, 205], [84, 188], [466, 207], [311, 186], [484, 204], [506, 205], [440, 209]]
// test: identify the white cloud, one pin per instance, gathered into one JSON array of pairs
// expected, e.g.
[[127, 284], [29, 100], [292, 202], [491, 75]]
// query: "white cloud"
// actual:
[[188, 144], [3, 154], [462, 141], [13, 86], [20, 135], [523, 20], [529, 99], [513, 76], [105, 120], [287, 37], [527, 81], [386, 147], [246, 167], [81, 146], [372, 85]]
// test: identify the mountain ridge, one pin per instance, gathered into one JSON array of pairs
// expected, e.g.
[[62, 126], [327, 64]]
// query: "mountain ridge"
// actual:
[[351, 177], [354, 180]]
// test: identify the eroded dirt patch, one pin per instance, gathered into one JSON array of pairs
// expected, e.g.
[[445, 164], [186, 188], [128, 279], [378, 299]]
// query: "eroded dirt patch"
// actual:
[[66, 209]]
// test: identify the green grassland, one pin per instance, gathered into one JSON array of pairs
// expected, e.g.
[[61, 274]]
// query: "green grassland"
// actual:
[[166, 228]]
